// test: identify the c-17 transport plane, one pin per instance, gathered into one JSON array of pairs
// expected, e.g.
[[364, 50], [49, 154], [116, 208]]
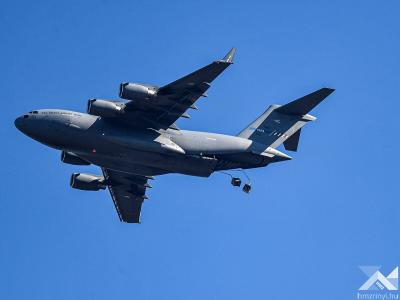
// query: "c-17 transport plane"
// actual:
[[136, 138]]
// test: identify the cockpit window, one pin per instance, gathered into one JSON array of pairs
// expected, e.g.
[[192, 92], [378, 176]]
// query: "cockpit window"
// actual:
[[34, 112], [26, 116]]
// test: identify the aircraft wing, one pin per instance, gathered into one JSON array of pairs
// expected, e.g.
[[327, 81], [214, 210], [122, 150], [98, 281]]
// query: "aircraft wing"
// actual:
[[127, 192], [174, 99]]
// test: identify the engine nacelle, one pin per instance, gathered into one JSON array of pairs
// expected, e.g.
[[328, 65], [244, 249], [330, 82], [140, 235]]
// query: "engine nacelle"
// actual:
[[104, 108], [72, 159], [132, 91], [87, 182]]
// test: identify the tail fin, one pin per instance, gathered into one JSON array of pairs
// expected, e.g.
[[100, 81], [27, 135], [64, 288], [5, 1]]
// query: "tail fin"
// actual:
[[282, 123]]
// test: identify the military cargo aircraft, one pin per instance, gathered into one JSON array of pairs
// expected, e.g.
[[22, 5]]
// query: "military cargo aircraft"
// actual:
[[136, 138]]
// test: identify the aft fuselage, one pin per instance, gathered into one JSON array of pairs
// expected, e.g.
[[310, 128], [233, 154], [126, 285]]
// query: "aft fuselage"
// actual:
[[144, 151]]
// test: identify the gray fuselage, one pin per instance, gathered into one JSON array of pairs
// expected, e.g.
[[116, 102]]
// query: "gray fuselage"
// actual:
[[116, 146]]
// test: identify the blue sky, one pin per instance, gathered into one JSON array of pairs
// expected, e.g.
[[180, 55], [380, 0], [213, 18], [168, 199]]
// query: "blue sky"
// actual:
[[308, 223]]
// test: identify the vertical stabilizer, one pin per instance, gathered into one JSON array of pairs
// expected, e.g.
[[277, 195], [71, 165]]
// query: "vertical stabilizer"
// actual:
[[282, 123]]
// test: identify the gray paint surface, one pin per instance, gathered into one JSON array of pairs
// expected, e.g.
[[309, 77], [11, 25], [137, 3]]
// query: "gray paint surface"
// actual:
[[134, 140]]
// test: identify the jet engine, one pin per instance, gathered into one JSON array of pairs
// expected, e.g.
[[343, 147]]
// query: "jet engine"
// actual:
[[104, 108], [87, 182], [132, 91], [72, 159]]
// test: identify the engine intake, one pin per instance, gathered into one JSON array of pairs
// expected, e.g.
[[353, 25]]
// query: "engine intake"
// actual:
[[87, 182], [133, 91], [104, 108], [72, 159]]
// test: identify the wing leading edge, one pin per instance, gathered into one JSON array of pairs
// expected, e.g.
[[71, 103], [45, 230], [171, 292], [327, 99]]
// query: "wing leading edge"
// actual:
[[173, 100]]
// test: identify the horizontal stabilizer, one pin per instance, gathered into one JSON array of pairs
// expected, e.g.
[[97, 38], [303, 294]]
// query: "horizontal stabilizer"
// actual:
[[304, 105], [292, 142]]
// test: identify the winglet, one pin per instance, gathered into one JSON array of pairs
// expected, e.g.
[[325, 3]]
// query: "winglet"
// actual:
[[229, 56]]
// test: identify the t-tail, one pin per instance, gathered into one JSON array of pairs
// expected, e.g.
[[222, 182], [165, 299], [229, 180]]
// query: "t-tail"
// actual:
[[282, 123]]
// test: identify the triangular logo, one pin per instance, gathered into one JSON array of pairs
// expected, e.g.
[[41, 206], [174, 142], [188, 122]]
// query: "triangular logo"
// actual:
[[377, 281]]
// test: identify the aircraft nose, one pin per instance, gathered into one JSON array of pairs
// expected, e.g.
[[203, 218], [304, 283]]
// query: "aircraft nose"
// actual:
[[20, 122]]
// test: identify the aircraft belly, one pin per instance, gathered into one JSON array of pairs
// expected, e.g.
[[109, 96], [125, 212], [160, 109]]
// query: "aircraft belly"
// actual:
[[150, 163]]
